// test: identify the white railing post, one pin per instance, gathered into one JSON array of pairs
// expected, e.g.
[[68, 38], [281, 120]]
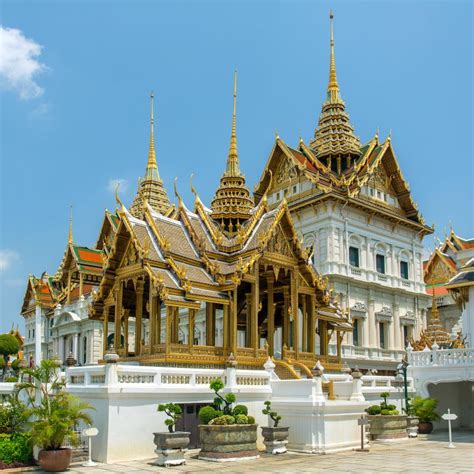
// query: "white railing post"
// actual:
[[434, 353], [111, 375], [357, 395]]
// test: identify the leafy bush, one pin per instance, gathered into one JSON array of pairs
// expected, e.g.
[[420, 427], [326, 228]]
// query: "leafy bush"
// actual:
[[15, 365], [206, 414], [386, 411], [273, 414], [241, 419], [173, 411], [223, 420], [240, 410], [11, 379], [16, 448], [13, 415], [374, 410], [424, 409], [251, 420]]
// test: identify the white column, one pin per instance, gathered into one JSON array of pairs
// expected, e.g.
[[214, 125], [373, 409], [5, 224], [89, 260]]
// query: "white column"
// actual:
[[38, 335], [75, 347], [397, 340], [372, 323]]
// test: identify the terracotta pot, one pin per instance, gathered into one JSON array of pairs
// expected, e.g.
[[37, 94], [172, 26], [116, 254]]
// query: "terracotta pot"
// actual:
[[425, 427], [55, 460]]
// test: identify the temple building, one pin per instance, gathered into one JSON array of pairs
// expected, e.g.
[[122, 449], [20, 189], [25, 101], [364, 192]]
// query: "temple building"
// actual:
[[444, 263], [353, 209], [240, 266]]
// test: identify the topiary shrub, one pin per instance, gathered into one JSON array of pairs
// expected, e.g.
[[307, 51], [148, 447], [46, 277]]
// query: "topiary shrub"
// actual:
[[273, 414], [11, 379], [240, 410], [251, 420], [374, 410], [223, 420], [173, 411], [242, 419], [207, 414]]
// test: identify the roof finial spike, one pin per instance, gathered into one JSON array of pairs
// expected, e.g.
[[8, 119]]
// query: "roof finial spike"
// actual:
[[233, 168], [333, 86], [152, 167], [70, 238]]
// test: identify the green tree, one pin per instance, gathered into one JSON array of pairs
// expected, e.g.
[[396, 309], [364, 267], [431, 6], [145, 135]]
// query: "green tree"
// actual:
[[9, 345]]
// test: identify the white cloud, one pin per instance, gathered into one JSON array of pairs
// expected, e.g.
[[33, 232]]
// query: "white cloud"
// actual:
[[121, 183], [19, 64], [7, 258]]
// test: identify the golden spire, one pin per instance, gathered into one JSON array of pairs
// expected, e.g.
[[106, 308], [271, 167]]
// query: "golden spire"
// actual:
[[150, 187], [335, 143], [70, 239], [232, 202], [233, 168], [333, 86], [152, 167]]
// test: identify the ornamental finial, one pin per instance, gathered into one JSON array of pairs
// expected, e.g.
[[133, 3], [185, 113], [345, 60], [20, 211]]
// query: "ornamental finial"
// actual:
[[333, 86], [70, 238], [233, 168], [151, 166]]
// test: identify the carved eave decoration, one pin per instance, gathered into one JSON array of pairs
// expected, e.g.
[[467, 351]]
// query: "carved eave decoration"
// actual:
[[439, 268]]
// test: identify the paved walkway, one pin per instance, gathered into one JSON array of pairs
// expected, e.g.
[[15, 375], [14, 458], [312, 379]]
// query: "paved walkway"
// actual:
[[422, 455]]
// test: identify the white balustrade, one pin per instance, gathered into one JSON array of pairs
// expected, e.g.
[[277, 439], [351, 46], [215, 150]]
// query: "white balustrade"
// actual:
[[442, 357]]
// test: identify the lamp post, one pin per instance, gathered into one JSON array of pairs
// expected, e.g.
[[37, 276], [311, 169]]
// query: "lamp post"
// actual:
[[402, 369]]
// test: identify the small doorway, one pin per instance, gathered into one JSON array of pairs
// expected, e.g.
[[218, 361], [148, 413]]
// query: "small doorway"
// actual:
[[190, 421]]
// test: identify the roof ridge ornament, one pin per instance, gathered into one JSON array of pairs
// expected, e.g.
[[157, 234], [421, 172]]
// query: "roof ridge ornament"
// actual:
[[70, 237]]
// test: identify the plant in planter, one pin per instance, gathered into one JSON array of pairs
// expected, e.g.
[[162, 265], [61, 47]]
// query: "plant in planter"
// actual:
[[54, 415], [171, 445], [425, 410], [227, 433], [385, 420], [275, 437]]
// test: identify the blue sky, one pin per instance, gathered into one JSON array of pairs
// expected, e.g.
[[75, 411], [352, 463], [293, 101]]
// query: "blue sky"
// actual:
[[75, 116]]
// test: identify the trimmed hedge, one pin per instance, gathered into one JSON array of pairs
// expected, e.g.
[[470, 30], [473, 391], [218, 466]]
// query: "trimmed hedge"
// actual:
[[16, 448]]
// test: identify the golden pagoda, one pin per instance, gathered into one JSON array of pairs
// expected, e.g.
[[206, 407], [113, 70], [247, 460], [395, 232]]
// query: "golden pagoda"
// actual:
[[150, 187], [240, 266], [335, 143], [232, 203]]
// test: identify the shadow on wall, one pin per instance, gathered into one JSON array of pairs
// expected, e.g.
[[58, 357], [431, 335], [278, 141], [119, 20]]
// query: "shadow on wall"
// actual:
[[459, 398]]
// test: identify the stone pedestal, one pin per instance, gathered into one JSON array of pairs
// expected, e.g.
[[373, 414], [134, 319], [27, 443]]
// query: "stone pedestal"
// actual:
[[388, 427], [275, 439], [170, 448]]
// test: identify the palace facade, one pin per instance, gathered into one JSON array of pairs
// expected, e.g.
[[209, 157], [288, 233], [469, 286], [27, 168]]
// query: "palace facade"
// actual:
[[354, 210]]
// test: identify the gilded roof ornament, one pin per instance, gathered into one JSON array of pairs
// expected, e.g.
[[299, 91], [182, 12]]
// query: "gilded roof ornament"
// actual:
[[150, 187], [70, 238], [232, 202], [334, 136]]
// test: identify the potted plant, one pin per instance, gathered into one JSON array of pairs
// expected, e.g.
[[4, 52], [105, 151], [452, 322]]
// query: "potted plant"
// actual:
[[385, 421], [171, 445], [425, 410], [53, 414], [226, 433], [275, 437]]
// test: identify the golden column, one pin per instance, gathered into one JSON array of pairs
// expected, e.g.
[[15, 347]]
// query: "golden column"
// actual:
[[255, 308], [312, 324], [210, 324], [304, 335], [271, 316], [138, 315], [191, 319], [294, 309], [118, 316], [233, 323], [248, 320], [225, 329], [169, 317], [126, 315], [286, 319], [105, 329]]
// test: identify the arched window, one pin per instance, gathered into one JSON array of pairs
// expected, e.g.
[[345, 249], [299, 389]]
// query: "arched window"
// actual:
[[84, 351], [404, 265]]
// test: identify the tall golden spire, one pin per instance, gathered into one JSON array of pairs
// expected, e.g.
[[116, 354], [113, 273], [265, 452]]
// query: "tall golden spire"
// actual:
[[233, 168], [152, 167], [70, 239], [232, 202], [335, 143], [150, 187], [333, 86]]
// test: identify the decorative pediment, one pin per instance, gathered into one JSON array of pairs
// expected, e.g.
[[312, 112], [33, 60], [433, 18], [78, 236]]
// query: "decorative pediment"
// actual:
[[438, 272], [285, 171], [360, 307], [280, 245]]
